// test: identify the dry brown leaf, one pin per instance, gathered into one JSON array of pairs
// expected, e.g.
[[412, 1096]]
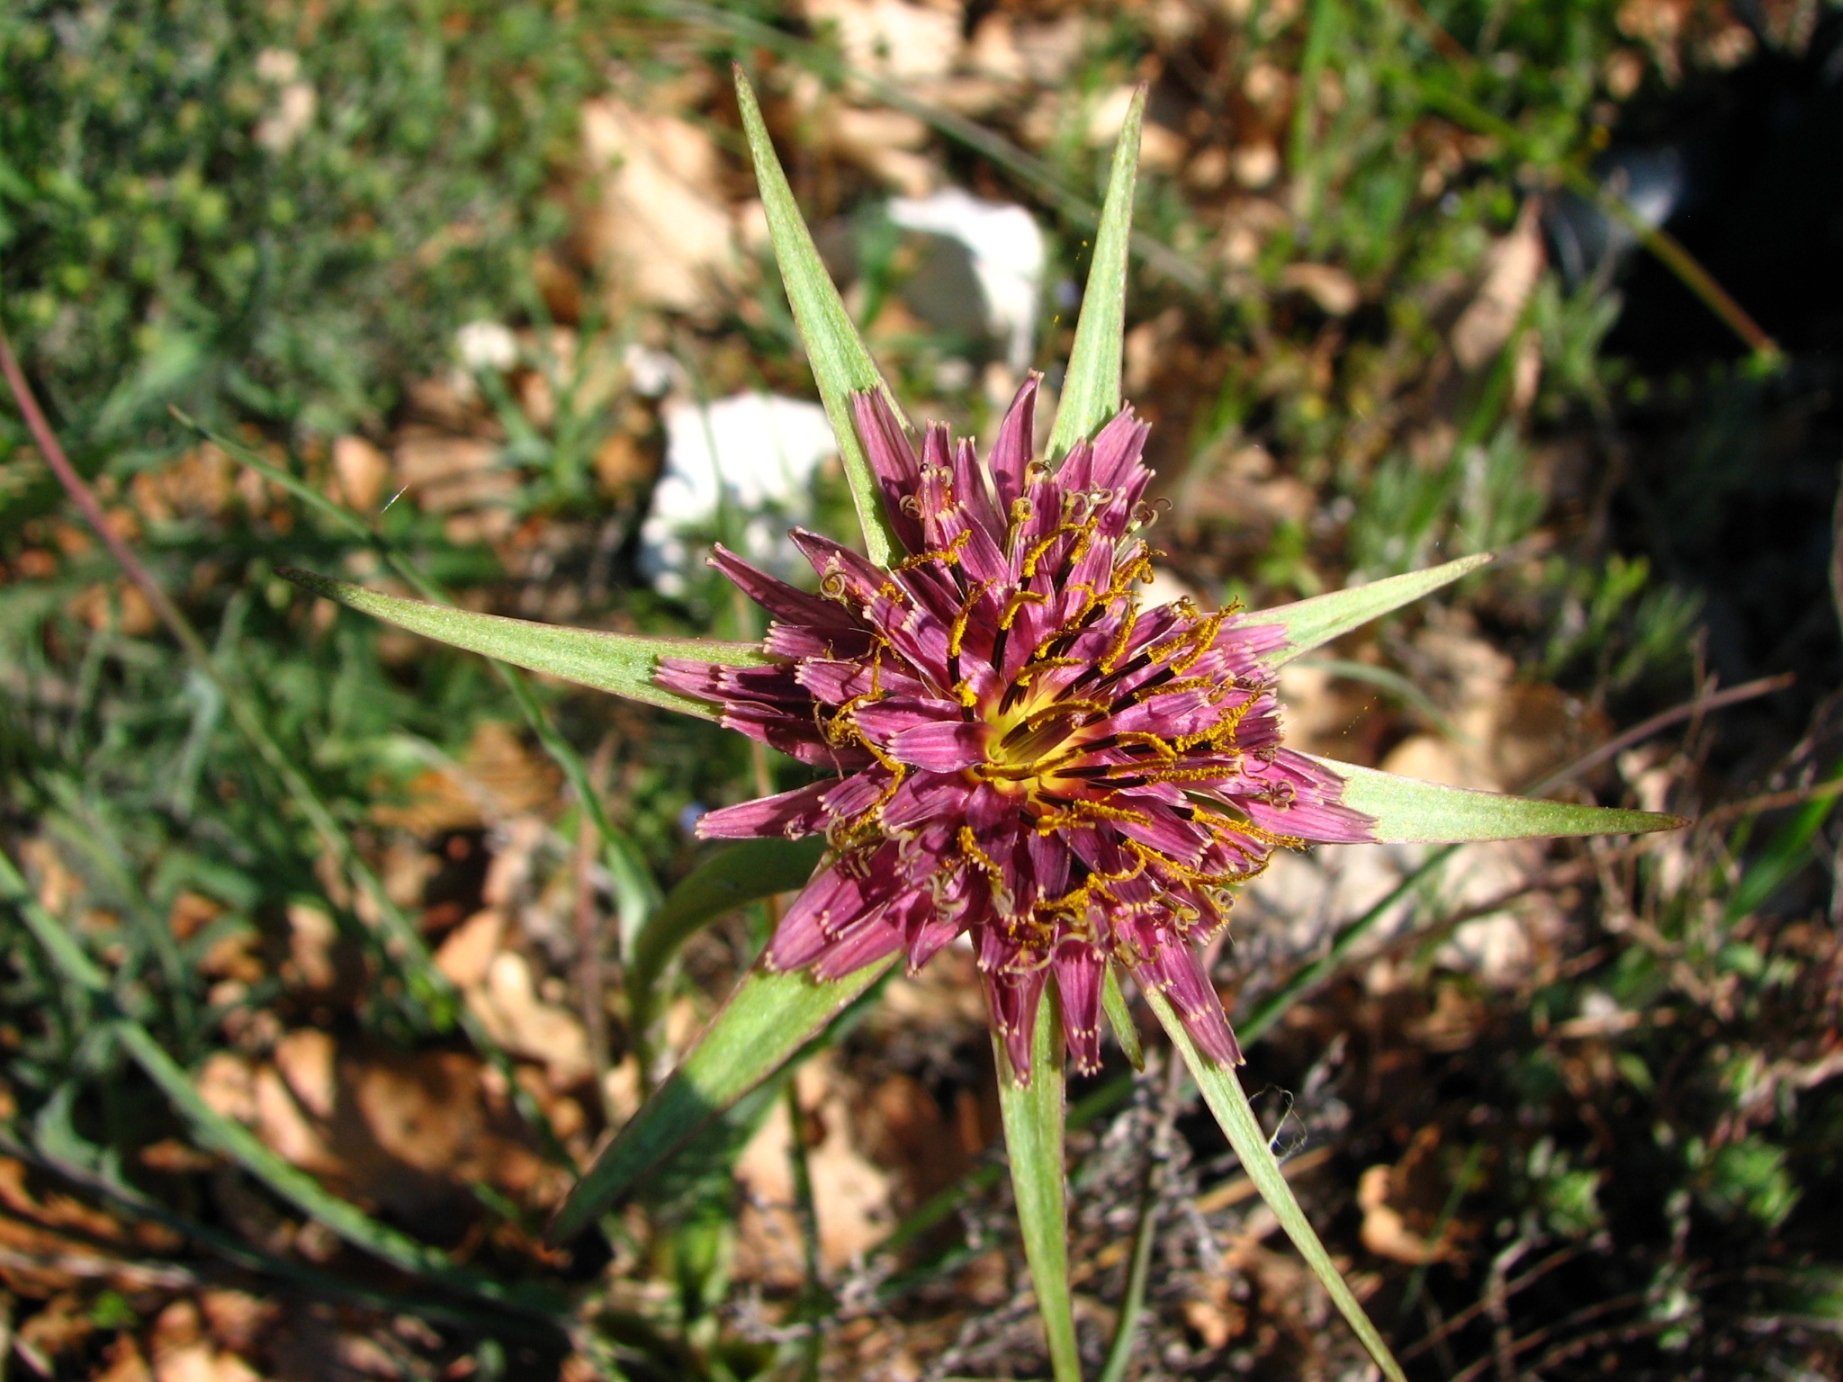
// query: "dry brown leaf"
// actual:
[[459, 476], [1333, 290], [511, 1010], [898, 40], [1513, 264], [319, 959], [116, 606], [408, 1132], [360, 472], [1161, 149], [50, 1241], [467, 954], [658, 222], [1402, 1205], [496, 779], [888, 144], [185, 1347], [851, 1195], [1038, 54]]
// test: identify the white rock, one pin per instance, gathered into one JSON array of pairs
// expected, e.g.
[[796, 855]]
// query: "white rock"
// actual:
[[486, 345], [747, 463], [1005, 249]]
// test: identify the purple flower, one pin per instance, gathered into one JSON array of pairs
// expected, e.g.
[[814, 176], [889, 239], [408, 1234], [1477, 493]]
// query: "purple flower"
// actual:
[[1017, 749]]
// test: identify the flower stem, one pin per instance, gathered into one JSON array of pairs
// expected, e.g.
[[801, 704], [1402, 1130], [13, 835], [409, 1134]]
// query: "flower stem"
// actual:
[[1034, 1116]]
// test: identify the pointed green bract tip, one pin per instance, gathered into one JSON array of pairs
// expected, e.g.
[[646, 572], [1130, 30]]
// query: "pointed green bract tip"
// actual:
[[1091, 388], [623, 664], [840, 361], [1315, 622], [1407, 810]]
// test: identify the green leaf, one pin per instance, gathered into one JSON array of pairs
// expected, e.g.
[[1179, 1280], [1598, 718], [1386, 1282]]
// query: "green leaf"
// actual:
[[1223, 1093], [623, 663], [840, 362], [767, 1019], [1034, 1117], [1120, 1018], [1091, 389], [730, 878], [1314, 622], [1409, 811]]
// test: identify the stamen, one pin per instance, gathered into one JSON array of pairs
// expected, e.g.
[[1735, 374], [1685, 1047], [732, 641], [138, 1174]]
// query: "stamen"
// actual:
[[957, 637], [1015, 606], [1122, 636], [1081, 811], [946, 556], [969, 846], [1202, 635]]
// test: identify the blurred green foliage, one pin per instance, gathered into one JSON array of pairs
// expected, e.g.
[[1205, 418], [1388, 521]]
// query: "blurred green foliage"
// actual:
[[260, 214]]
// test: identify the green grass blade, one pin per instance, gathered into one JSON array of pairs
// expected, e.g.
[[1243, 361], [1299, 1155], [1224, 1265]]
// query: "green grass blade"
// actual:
[[1408, 811], [1312, 623], [72, 960], [636, 892], [1120, 1018], [1223, 1093], [767, 1019], [1034, 1117], [1784, 855], [840, 362], [621, 663], [744, 872], [232, 1139], [1091, 390]]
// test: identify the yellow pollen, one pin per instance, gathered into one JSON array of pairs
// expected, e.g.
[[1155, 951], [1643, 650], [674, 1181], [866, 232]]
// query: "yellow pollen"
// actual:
[[970, 848], [1122, 635], [958, 634], [1083, 812], [947, 556], [1015, 606], [1149, 740], [1202, 635]]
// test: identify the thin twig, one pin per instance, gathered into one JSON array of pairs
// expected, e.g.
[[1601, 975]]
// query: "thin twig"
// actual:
[[1664, 719], [87, 504]]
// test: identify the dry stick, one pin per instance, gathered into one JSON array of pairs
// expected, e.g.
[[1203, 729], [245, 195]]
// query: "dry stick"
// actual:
[[1773, 801], [1555, 1260], [1664, 719], [85, 499]]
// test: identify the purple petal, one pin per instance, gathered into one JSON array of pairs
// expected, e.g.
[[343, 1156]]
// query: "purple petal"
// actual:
[[868, 940], [840, 569], [886, 444], [792, 814], [1080, 973], [802, 641], [1013, 999], [838, 898], [773, 594], [1016, 444], [925, 797], [1176, 970], [943, 746], [927, 937], [1295, 796]]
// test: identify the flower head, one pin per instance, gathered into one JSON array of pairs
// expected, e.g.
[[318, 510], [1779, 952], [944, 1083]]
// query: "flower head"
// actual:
[[1020, 750]]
